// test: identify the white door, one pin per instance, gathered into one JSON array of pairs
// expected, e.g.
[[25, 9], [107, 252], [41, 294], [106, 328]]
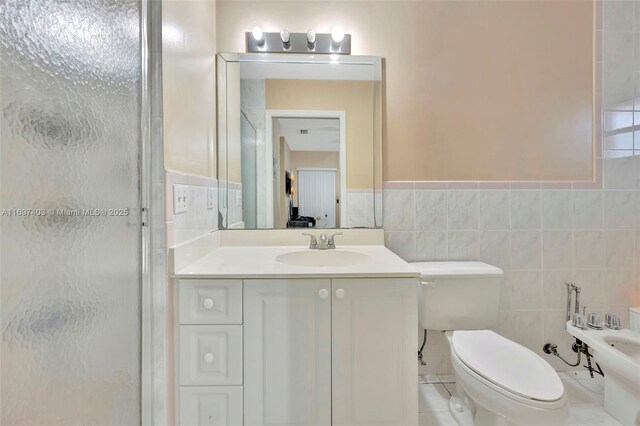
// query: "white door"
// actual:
[[317, 195], [287, 357], [374, 368]]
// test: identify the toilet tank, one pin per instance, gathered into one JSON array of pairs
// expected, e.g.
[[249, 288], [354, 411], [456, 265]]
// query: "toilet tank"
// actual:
[[459, 295]]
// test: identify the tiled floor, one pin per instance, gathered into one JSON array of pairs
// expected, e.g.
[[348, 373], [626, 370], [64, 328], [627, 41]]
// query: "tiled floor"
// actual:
[[585, 396]]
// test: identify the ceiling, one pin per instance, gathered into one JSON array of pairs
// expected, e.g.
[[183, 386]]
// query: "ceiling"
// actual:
[[323, 133]]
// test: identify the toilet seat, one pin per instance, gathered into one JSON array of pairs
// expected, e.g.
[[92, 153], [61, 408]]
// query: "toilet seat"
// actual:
[[517, 371]]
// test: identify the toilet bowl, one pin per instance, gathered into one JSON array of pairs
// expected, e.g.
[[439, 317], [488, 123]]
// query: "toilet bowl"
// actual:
[[498, 381]]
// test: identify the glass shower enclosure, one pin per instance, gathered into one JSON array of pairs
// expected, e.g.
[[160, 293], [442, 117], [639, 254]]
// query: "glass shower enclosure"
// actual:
[[72, 263]]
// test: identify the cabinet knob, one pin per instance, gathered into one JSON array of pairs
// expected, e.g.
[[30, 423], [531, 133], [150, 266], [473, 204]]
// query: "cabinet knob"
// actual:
[[324, 293], [208, 357], [207, 303], [340, 293]]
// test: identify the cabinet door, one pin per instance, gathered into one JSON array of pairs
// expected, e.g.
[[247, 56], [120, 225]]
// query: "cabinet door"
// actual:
[[287, 358], [374, 369], [210, 406]]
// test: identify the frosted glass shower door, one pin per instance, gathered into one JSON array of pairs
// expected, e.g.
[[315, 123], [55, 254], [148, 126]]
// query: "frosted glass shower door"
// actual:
[[70, 279]]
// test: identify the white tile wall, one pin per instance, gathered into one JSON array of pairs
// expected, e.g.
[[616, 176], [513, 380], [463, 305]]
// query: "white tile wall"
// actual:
[[361, 210], [199, 219], [550, 250]]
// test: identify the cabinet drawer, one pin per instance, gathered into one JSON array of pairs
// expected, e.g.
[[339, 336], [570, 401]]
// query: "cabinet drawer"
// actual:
[[210, 355], [210, 301], [211, 406]]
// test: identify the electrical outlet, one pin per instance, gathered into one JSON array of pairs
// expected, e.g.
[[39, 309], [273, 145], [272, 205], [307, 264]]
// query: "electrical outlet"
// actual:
[[181, 198], [211, 198], [238, 198]]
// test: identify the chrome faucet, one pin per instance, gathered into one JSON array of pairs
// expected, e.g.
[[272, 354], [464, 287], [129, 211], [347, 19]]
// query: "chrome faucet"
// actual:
[[313, 244], [324, 243], [332, 243]]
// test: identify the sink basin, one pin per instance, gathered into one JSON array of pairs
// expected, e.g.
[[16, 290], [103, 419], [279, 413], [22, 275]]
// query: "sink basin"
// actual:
[[322, 258]]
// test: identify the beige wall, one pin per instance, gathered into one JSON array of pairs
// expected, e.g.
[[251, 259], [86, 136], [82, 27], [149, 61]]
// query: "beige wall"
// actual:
[[356, 98], [474, 90], [188, 70], [315, 159]]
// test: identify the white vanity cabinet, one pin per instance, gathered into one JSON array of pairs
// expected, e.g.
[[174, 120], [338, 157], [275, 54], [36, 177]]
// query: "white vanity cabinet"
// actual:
[[330, 352], [287, 335], [374, 345], [209, 352], [315, 351]]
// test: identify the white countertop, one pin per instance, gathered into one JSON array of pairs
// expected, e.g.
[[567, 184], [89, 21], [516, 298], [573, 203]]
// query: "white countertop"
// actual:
[[260, 262]]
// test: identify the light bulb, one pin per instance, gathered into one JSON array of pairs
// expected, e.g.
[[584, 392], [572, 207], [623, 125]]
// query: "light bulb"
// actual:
[[257, 34], [311, 36], [285, 36], [337, 34]]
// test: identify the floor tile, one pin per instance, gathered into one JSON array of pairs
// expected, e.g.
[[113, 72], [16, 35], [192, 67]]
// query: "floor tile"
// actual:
[[595, 385], [591, 416], [451, 387], [428, 378], [584, 374], [568, 374], [583, 392], [437, 418], [585, 396], [432, 397], [447, 378]]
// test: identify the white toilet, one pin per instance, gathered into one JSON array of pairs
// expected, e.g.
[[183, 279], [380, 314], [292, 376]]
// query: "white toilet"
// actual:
[[498, 381]]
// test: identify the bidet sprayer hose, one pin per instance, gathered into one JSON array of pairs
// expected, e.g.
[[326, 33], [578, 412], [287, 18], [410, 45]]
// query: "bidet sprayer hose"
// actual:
[[552, 349]]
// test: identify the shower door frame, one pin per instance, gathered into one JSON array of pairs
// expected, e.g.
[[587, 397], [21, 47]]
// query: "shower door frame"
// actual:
[[146, 317]]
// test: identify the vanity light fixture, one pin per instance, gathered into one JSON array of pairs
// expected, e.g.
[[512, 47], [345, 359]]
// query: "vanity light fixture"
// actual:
[[335, 43]]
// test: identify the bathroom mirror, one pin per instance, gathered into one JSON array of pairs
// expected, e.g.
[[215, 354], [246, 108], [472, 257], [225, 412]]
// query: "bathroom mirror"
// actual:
[[299, 141]]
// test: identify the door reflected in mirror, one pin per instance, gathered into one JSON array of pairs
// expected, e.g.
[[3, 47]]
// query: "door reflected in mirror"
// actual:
[[299, 141], [307, 178]]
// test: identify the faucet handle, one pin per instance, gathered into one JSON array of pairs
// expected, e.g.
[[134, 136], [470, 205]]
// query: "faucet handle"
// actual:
[[313, 244], [332, 243], [579, 321], [612, 321], [594, 321]]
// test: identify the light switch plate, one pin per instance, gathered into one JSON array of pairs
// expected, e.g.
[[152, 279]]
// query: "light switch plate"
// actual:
[[238, 198], [211, 198], [181, 199]]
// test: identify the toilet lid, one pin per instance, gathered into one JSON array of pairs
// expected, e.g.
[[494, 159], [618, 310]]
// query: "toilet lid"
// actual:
[[507, 364]]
